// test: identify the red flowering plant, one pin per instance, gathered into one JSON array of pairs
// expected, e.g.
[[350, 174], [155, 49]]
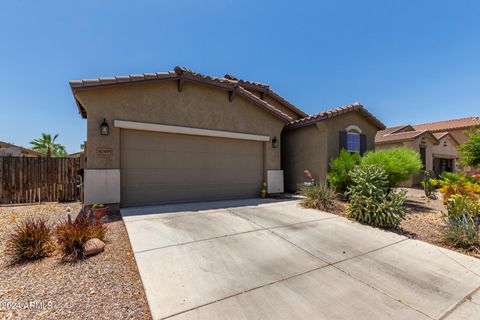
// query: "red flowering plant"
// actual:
[[310, 176]]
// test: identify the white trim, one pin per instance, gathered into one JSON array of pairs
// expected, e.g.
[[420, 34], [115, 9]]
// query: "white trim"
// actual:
[[353, 127], [187, 130]]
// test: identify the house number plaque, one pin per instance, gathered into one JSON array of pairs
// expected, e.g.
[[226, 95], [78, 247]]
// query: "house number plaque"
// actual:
[[104, 151]]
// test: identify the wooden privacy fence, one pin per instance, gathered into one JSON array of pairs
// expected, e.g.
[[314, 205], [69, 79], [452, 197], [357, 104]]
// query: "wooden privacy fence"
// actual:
[[27, 180]]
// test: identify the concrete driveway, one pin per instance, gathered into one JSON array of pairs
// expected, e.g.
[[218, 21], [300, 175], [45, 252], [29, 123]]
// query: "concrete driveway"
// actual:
[[265, 259]]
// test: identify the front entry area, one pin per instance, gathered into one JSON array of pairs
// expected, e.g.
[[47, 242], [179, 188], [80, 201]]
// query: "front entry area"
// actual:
[[159, 168], [443, 165]]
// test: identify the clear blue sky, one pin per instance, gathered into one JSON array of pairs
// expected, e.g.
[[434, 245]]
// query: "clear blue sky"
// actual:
[[406, 61]]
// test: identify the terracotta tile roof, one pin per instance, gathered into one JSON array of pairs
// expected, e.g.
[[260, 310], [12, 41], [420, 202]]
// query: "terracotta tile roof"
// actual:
[[381, 137], [441, 126], [228, 82], [332, 113], [441, 135], [396, 129], [250, 96], [265, 88], [246, 82]]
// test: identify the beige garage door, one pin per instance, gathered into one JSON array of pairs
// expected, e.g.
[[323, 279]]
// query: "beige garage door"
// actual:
[[165, 168]]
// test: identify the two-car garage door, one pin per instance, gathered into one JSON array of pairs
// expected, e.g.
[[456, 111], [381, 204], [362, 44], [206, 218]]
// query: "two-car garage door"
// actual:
[[164, 168]]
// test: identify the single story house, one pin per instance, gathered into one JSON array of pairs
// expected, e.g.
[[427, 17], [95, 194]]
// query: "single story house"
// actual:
[[438, 151], [11, 150], [457, 128], [182, 136], [311, 143]]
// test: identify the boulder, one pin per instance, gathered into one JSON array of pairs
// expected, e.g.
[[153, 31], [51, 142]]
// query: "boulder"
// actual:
[[93, 246]]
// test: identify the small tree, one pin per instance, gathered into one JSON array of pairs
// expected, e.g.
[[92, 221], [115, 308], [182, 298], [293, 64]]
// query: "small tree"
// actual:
[[47, 145], [340, 167], [399, 163], [470, 150]]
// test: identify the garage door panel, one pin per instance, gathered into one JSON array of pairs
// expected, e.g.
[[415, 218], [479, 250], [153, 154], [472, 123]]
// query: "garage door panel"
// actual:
[[182, 193], [163, 168], [168, 176]]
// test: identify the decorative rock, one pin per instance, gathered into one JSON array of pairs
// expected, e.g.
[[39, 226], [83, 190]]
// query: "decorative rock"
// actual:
[[93, 246]]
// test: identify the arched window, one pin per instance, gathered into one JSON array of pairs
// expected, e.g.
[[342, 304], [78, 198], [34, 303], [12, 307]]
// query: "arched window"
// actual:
[[353, 138]]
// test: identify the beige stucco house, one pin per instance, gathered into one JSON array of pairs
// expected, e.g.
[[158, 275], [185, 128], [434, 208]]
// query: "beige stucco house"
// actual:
[[182, 136], [457, 128], [310, 143], [438, 151], [11, 150]]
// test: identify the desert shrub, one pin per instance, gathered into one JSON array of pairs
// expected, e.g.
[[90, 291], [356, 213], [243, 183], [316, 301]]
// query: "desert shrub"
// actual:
[[462, 218], [30, 239], [71, 237], [461, 232], [371, 200], [460, 205], [399, 163], [458, 184], [318, 196], [340, 167]]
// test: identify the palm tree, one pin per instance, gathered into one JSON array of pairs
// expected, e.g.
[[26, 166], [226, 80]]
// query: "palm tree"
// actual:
[[48, 146]]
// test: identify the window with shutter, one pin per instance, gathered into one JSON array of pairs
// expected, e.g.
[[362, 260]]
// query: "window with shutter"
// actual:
[[343, 140], [353, 142]]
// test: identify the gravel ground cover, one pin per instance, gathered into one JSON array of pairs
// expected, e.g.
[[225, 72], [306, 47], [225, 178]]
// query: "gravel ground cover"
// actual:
[[105, 286], [424, 219]]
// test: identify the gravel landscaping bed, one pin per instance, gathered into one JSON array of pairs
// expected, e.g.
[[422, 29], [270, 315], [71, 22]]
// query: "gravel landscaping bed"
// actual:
[[105, 286], [424, 219]]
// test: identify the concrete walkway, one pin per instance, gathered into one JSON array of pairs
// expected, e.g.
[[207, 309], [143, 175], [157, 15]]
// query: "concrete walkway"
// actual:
[[266, 259]]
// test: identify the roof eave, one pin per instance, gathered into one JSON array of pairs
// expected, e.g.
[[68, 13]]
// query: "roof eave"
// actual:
[[80, 85], [329, 114]]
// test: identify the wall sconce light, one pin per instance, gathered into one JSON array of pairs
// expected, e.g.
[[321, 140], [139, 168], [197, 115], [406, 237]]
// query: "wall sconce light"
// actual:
[[444, 143], [275, 142], [104, 128]]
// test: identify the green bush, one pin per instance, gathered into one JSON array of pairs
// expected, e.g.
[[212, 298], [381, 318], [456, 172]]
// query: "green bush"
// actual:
[[318, 196], [461, 228], [340, 167], [399, 163], [30, 239], [470, 150], [72, 237], [462, 205], [371, 200]]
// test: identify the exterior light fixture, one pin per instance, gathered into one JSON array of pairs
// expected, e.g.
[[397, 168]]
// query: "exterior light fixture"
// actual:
[[104, 128], [444, 143], [275, 142]]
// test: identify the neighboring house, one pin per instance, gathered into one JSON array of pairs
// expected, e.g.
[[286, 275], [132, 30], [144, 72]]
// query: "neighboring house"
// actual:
[[182, 136], [310, 143], [456, 127], [8, 149], [437, 150]]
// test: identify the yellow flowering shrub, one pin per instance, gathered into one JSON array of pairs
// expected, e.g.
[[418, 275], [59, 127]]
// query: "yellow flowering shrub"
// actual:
[[458, 183]]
